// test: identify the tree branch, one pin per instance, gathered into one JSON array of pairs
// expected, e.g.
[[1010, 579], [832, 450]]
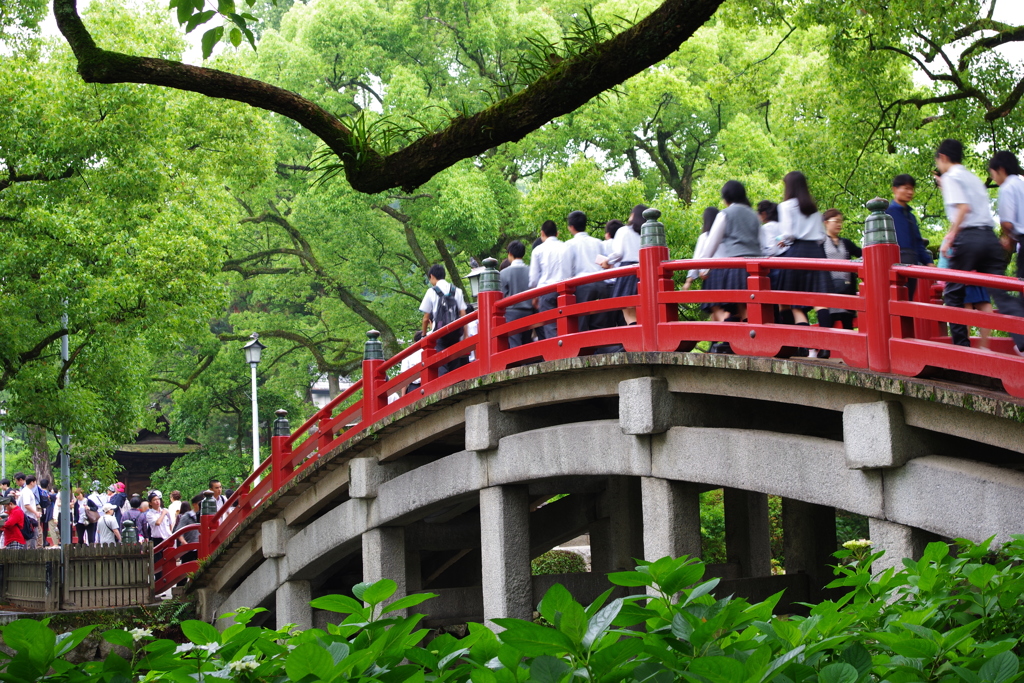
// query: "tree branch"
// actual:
[[13, 177], [565, 88]]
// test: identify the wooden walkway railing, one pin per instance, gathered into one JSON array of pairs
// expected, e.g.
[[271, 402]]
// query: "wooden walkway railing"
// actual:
[[893, 335]]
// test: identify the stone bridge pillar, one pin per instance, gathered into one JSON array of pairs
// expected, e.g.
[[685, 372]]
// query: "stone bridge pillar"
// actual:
[[747, 535], [505, 563], [808, 540]]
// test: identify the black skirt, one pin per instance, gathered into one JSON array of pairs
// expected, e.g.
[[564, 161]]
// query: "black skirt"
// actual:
[[625, 285], [803, 280], [724, 278]]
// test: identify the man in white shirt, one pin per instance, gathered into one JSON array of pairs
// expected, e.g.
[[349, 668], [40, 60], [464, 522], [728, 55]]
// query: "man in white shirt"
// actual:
[[431, 309], [971, 244], [1006, 172], [579, 258], [27, 502], [546, 269], [218, 493]]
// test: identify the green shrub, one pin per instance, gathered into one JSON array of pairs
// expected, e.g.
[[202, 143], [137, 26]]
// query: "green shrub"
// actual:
[[946, 618], [558, 562]]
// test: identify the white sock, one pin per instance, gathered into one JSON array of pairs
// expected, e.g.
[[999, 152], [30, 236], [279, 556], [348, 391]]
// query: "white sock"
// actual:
[[812, 353]]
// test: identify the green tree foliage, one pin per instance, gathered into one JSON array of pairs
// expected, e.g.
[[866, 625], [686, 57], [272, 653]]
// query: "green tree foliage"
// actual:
[[191, 473], [110, 215]]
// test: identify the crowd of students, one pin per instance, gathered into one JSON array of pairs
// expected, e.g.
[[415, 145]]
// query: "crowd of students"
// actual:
[[33, 510], [794, 228]]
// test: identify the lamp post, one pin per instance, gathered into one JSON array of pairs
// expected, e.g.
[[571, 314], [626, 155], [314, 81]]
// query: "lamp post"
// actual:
[[3, 442], [253, 352]]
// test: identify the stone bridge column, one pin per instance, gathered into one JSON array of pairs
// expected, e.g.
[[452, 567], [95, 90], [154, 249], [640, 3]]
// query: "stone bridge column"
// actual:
[[384, 558], [292, 604], [898, 541], [747, 539], [618, 535], [505, 563], [808, 541], [671, 518]]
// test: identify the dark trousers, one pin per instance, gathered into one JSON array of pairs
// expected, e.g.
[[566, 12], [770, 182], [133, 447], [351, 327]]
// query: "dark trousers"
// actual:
[[595, 291], [1020, 254], [519, 338], [547, 302], [979, 250], [452, 364]]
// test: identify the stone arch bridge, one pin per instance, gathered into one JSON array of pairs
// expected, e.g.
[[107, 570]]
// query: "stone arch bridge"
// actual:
[[443, 496], [444, 488]]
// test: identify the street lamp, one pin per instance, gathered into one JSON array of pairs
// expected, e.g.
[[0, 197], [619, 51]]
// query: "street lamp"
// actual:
[[253, 353]]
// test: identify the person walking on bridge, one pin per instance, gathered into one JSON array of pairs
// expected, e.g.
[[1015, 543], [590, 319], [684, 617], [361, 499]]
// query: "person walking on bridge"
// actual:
[[442, 304], [582, 252], [626, 252], [735, 233], [1006, 173], [546, 269], [971, 243], [514, 280]]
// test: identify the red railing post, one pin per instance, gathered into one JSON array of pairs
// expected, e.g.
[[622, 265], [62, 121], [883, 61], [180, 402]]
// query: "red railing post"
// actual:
[[881, 253], [487, 320], [280, 451], [653, 251], [373, 358]]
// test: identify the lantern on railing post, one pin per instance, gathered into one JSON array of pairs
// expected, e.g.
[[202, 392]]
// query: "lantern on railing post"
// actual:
[[373, 358], [280, 450], [207, 523], [488, 295], [653, 251], [130, 534], [880, 254]]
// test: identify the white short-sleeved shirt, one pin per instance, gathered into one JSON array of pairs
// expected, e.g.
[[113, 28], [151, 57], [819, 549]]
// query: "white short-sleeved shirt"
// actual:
[[429, 303], [106, 527], [164, 529], [1011, 203], [770, 233], [960, 186], [625, 246], [794, 223], [28, 497]]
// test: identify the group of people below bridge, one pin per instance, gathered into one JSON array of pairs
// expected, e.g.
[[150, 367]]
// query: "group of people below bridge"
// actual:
[[795, 228], [32, 513]]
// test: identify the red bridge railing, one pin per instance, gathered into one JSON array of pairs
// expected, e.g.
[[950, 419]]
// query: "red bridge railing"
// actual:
[[893, 335]]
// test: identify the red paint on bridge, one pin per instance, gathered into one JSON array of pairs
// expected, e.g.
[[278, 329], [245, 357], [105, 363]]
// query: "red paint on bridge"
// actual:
[[894, 335]]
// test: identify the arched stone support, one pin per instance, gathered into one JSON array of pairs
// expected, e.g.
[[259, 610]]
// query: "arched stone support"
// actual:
[[635, 480]]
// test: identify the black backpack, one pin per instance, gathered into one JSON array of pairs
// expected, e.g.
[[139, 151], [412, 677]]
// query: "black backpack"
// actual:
[[44, 499], [28, 529], [446, 311]]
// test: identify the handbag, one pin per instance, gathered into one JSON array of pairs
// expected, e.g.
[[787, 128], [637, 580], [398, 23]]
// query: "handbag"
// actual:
[[92, 515]]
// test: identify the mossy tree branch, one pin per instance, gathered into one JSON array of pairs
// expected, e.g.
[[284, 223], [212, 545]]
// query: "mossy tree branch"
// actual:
[[563, 89]]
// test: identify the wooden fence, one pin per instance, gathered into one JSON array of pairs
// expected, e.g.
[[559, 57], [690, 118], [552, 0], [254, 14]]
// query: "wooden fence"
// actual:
[[96, 576]]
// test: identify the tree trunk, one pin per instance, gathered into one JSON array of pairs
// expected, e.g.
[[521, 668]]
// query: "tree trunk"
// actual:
[[40, 452]]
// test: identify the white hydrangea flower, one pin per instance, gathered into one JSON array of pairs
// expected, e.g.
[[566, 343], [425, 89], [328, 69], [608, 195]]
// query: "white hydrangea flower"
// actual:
[[184, 647], [209, 647], [858, 544], [140, 633], [242, 665]]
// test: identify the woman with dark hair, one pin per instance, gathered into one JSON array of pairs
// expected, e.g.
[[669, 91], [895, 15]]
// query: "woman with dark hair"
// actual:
[[735, 233], [626, 252], [708, 218], [840, 248], [802, 226]]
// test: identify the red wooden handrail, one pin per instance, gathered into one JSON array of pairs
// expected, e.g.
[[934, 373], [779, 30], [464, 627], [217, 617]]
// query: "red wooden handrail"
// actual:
[[894, 334]]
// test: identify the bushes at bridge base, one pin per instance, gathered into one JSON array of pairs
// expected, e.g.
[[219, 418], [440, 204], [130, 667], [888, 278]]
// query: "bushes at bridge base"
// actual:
[[948, 617], [558, 562]]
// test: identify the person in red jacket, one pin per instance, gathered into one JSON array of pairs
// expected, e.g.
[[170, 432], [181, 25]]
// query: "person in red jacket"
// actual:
[[13, 539]]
